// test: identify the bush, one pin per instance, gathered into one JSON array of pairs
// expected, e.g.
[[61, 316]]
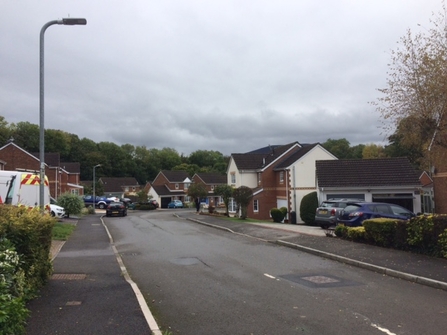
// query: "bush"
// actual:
[[424, 232], [145, 206], [341, 231], [381, 231], [13, 312], [277, 215], [283, 211], [72, 203], [356, 234], [308, 206], [25, 243], [30, 232]]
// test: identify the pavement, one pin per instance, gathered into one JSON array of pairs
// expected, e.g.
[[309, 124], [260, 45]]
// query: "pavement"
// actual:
[[90, 291]]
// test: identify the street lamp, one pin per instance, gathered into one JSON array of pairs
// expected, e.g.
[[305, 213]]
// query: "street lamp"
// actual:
[[94, 198], [67, 22]]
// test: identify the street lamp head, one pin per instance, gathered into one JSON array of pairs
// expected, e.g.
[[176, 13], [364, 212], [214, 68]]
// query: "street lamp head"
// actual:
[[98, 165], [73, 21]]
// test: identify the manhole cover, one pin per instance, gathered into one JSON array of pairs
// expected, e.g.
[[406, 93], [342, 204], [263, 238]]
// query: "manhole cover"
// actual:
[[68, 276], [319, 280]]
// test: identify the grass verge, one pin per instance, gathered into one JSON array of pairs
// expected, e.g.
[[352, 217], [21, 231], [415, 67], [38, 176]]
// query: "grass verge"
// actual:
[[61, 231]]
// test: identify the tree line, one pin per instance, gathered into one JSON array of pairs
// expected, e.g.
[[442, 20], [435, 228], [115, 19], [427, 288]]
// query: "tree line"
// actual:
[[145, 163]]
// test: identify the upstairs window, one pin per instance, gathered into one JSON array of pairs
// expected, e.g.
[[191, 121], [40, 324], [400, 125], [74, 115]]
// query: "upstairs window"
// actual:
[[281, 177], [176, 186], [255, 205], [233, 178]]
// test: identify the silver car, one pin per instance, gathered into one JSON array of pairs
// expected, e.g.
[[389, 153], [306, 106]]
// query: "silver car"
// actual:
[[326, 215]]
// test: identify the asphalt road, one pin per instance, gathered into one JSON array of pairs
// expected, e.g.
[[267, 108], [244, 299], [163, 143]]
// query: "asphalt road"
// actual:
[[201, 280]]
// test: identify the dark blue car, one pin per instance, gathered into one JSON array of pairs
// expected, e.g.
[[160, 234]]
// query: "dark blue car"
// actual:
[[356, 212]]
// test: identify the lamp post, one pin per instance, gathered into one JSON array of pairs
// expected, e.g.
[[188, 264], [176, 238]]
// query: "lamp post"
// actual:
[[93, 196], [67, 22]]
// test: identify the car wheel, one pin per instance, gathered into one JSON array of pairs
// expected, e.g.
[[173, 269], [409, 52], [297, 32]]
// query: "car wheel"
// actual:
[[53, 214], [101, 206]]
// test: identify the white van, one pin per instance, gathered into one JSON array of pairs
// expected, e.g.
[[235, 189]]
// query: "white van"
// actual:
[[22, 189]]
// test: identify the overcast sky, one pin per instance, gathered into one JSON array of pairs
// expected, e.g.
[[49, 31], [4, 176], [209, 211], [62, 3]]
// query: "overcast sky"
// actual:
[[231, 76]]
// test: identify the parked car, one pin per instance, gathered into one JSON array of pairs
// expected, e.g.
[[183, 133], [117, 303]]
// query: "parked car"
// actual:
[[327, 214], [116, 208], [127, 202], [100, 202], [154, 202], [57, 211], [175, 204], [356, 212]]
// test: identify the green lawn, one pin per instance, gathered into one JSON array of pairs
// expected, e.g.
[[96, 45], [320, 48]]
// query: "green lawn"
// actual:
[[61, 231]]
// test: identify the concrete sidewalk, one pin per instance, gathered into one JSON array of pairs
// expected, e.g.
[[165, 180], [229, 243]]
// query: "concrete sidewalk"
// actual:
[[87, 293]]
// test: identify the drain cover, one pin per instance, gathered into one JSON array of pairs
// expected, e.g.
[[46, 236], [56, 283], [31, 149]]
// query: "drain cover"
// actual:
[[318, 280], [68, 276]]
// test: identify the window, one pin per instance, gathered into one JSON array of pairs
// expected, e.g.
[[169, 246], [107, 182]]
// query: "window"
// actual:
[[232, 205], [186, 186], [126, 189], [133, 189], [212, 187], [176, 186], [281, 177], [259, 178], [233, 178], [255, 205]]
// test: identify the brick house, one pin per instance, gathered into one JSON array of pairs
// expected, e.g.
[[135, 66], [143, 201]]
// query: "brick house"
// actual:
[[427, 192], [62, 177], [391, 180], [210, 181], [168, 186], [279, 176], [120, 187]]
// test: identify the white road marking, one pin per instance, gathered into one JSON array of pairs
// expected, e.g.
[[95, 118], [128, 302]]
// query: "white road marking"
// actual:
[[269, 276], [386, 331]]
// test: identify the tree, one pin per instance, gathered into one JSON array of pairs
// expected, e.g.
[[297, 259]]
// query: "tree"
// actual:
[[197, 191], [414, 101], [5, 132], [242, 195], [340, 148], [226, 192], [373, 151], [26, 135]]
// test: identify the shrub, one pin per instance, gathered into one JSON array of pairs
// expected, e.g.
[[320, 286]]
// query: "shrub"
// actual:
[[442, 242], [283, 211], [277, 215], [380, 231], [147, 206], [13, 312], [356, 234], [25, 242], [211, 209], [423, 233], [72, 203], [341, 231], [308, 206], [30, 232]]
